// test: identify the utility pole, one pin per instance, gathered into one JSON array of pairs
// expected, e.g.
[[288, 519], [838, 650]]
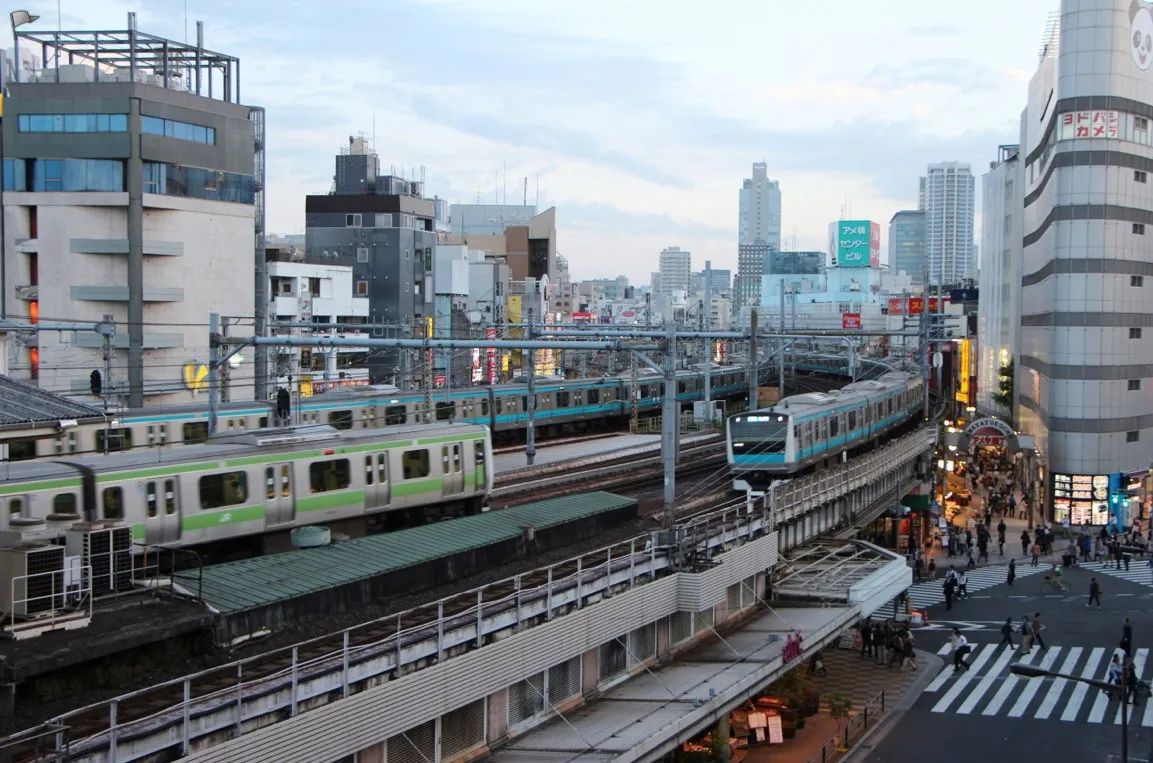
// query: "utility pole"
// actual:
[[634, 407], [781, 348], [754, 376], [108, 331], [708, 326], [225, 369], [213, 371], [670, 425], [530, 427], [428, 376], [925, 334]]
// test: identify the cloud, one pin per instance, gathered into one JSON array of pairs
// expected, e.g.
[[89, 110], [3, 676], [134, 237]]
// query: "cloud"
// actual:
[[609, 218], [933, 30], [559, 141], [959, 73]]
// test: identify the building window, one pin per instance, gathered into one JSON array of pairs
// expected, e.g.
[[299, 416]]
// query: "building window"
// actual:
[[170, 128], [1140, 176], [1136, 280], [352, 221], [362, 288], [1134, 385], [77, 175], [1132, 436], [197, 183], [362, 254], [1139, 228], [1134, 333], [72, 123]]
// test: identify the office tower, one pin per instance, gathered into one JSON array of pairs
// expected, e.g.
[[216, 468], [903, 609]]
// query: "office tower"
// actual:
[[907, 243], [750, 267], [131, 190], [947, 198], [760, 211], [999, 284], [676, 267]]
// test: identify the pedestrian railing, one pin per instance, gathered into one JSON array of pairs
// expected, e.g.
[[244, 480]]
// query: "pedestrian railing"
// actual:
[[854, 729]]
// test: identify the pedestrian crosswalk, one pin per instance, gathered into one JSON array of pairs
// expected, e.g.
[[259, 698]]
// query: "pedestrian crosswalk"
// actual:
[[989, 688], [1138, 572], [933, 592]]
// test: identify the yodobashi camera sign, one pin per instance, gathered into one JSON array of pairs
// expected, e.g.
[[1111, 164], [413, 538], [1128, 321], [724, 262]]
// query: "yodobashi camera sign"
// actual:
[[856, 243]]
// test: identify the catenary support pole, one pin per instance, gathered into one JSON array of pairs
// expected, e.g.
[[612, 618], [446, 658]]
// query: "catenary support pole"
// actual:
[[708, 342], [754, 377], [134, 182], [669, 425], [530, 427], [213, 371]]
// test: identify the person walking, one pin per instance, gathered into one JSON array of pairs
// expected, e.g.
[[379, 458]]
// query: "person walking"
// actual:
[[1127, 637], [1115, 674], [932, 569], [866, 639], [1007, 633], [1036, 553], [963, 585], [961, 649], [1094, 593], [1026, 636], [1038, 626], [1012, 573], [950, 581], [917, 567], [1025, 543]]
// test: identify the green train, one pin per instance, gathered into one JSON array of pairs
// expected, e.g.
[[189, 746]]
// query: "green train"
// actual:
[[253, 483]]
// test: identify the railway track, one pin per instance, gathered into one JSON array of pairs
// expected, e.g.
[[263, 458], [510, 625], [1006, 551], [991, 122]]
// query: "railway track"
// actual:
[[627, 474]]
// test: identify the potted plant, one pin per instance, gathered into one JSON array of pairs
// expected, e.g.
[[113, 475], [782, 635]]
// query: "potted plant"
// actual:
[[812, 697], [839, 706]]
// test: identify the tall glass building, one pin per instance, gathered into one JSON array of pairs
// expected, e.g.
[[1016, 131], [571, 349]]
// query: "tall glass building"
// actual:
[[907, 243], [947, 198]]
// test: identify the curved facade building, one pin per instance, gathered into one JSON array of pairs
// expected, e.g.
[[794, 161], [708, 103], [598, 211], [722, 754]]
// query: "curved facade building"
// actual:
[[1085, 372]]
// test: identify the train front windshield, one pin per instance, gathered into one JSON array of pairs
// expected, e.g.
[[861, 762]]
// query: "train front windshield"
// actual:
[[758, 433]]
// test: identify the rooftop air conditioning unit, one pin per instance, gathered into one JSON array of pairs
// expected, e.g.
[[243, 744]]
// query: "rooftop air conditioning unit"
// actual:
[[31, 579], [106, 549]]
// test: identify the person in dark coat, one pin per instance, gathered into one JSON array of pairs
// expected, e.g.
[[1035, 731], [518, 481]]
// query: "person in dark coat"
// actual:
[[1012, 573]]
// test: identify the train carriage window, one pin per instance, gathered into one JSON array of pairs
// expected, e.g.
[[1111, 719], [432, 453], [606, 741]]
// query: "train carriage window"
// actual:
[[112, 499], [157, 434], [66, 443], [852, 420], [368, 471], [15, 506], [382, 468], [340, 419], [523, 403], [21, 450], [562, 398], [113, 439], [395, 415], [445, 411], [194, 432], [169, 497], [834, 426], [270, 483], [415, 464], [324, 476], [594, 396], [484, 406], [262, 422], [150, 499], [224, 489], [64, 503], [680, 388]]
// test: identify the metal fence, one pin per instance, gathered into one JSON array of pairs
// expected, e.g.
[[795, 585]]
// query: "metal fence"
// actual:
[[855, 727]]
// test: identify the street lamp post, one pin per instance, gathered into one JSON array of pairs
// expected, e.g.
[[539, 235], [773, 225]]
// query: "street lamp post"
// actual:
[[1032, 671]]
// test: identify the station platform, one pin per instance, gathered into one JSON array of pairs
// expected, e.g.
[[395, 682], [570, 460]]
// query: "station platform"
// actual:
[[612, 446], [655, 710]]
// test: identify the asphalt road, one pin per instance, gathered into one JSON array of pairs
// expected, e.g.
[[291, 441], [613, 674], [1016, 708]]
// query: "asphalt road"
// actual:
[[988, 715]]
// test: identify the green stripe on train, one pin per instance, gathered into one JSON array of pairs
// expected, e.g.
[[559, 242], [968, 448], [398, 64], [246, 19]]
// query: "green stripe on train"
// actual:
[[206, 520], [28, 487], [371, 448], [336, 499]]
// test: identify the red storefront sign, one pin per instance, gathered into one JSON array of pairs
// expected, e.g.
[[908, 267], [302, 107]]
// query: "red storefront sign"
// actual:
[[850, 320]]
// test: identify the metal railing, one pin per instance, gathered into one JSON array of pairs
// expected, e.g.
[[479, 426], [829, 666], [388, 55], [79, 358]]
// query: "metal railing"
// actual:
[[856, 725], [47, 743], [154, 568], [47, 601]]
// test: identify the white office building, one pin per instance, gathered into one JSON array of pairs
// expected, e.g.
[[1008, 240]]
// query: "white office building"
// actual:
[[676, 270], [999, 300], [948, 197], [760, 212]]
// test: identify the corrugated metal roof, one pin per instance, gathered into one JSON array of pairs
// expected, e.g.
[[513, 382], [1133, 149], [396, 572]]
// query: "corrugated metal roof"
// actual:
[[23, 403], [248, 583]]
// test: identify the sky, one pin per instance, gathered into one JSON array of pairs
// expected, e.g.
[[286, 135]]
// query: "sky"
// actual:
[[637, 119]]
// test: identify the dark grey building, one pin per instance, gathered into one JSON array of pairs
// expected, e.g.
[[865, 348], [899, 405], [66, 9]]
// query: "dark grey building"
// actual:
[[384, 229], [794, 263], [132, 189]]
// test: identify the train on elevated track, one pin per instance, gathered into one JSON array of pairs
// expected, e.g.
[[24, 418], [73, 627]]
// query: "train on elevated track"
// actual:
[[801, 432], [561, 405]]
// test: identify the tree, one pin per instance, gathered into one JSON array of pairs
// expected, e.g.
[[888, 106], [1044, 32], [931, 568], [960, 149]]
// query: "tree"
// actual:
[[839, 707], [1005, 387]]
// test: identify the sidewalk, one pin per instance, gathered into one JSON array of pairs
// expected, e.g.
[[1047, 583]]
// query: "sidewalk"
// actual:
[[859, 680]]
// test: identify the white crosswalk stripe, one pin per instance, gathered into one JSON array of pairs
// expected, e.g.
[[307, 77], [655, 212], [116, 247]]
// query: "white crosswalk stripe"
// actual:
[[1138, 572], [933, 592], [972, 691]]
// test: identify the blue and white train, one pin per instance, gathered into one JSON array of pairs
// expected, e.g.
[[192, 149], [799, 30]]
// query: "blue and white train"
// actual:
[[802, 431]]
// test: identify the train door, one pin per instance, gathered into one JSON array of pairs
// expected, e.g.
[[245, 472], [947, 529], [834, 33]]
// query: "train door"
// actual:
[[377, 491], [452, 461], [480, 467], [279, 500], [162, 511]]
